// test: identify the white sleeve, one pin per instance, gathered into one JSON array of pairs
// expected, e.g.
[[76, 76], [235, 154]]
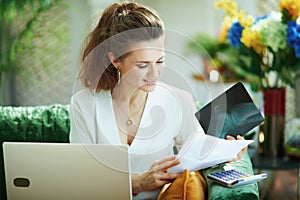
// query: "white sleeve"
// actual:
[[81, 121]]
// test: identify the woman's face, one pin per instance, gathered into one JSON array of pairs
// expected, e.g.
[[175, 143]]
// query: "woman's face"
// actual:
[[142, 67]]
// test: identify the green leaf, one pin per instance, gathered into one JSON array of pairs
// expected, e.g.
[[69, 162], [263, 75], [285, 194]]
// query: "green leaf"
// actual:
[[297, 66], [46, 3]]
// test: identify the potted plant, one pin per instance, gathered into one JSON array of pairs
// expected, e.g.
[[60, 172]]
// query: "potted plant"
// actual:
[[268, 47]]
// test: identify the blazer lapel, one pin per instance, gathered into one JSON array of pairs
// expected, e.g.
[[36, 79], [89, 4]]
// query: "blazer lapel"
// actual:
[[107, 130]]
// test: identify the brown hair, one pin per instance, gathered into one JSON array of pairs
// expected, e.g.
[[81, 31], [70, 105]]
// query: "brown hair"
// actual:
[[96, 71]]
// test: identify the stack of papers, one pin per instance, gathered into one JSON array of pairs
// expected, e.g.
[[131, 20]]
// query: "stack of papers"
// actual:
[[206, 151]]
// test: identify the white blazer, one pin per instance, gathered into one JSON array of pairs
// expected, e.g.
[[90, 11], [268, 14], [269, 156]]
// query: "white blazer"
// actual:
[[168, 120]]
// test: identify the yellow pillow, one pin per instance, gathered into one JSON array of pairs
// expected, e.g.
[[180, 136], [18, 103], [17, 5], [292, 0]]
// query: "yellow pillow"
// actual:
[[187, 186]]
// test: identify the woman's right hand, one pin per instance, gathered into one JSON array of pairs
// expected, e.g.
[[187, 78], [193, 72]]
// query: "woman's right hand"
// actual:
[[156, 177], [240, 154]]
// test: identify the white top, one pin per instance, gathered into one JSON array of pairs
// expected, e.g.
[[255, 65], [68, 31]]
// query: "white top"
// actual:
[[168, 120]]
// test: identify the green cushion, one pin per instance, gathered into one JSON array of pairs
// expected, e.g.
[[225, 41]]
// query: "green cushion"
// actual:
[[218, 192]]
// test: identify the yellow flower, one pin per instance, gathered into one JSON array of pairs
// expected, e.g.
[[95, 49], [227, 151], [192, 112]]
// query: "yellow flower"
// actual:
[[292, 6], [227, 22], [231, 10], [252, 39], [258, 47], [245, 21], [247, 37], [229, 7]]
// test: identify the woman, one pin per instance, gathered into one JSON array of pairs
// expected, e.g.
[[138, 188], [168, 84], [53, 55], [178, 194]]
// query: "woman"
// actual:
[[123, 102]]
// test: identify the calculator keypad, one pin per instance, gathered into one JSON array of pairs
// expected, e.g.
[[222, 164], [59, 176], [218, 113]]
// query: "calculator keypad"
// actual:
[[232, 178], [230, 175]]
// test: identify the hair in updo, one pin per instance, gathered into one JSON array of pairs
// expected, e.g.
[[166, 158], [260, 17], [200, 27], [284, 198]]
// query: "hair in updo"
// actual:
[[119, 24]]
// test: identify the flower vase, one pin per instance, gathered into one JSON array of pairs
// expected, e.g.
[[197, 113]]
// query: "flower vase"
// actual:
[[271, 135]]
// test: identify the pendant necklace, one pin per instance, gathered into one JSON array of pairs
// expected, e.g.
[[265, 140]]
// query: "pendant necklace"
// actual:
[[129, 120]]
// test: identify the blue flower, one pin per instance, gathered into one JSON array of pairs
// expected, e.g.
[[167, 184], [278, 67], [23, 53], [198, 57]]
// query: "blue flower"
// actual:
[[291, 32], [235, 34], [293, 36]]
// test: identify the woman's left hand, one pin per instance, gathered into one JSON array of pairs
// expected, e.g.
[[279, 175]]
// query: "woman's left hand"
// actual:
[[240, 154]]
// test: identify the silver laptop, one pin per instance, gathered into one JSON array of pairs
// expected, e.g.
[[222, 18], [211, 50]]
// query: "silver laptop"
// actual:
[[66, 171]]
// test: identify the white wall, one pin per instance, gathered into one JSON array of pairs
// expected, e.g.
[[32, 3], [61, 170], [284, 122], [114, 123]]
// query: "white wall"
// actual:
[[79, 17], [84, 14], [188, 17]]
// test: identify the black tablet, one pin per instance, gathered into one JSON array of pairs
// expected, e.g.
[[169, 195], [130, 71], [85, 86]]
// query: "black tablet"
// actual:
[[231, 113]]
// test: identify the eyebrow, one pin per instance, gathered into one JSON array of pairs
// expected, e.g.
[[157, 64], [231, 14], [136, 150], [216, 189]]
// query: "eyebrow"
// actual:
[[149, 61]]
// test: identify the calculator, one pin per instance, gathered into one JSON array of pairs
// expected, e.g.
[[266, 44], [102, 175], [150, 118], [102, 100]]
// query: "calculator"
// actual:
[[233, 178]]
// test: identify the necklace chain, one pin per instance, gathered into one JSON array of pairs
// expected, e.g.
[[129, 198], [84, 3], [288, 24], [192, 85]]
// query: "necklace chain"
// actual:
[[129, 121]]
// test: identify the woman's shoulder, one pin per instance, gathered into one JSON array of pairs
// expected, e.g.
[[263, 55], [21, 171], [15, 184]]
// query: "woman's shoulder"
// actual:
[[82, 95], [87, 95]]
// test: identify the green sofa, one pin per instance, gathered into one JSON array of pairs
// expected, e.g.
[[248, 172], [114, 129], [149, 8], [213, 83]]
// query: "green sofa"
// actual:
[[51, 124]]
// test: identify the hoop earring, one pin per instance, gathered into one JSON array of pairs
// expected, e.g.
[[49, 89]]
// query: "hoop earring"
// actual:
[[119, 75]]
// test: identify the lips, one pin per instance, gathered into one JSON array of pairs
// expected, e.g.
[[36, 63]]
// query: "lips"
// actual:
[[150, 81]]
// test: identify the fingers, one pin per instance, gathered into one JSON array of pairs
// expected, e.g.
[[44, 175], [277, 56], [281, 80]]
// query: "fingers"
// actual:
[[165, 164], [158, 175], [245, 148], [170, 164], [233, 160], [161, 168], [167, 176], [170, 158], [229, 137], [240, 154], [238, 137]]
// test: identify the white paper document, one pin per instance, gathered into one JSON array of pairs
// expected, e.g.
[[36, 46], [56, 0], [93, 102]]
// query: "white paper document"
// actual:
[[206, 151]]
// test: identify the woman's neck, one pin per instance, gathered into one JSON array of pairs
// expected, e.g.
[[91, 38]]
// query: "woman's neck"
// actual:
[[127, 96], [128, 107]]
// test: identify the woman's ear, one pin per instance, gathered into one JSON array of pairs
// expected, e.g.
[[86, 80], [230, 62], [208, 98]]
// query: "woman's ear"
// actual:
[[113, 60]]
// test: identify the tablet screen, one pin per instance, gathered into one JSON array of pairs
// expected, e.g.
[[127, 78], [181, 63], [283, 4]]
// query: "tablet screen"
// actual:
[[231, 113]]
